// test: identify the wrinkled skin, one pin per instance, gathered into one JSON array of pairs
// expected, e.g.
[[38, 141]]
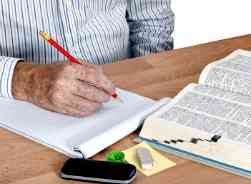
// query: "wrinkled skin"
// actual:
[[72, 89]]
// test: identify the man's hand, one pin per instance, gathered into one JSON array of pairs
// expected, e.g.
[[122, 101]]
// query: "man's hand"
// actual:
[[76, 90]]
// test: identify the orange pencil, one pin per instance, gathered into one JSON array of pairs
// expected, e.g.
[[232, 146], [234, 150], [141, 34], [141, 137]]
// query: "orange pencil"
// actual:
[[60, 49]]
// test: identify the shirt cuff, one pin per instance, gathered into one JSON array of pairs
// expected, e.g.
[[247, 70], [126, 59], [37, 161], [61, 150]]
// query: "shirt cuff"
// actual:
[[7, 66]]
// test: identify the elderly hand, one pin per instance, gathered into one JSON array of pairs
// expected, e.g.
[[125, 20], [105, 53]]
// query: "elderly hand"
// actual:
[[72, 89]]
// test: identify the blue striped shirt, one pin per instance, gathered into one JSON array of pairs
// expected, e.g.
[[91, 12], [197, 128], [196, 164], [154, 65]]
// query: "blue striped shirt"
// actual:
[[98, 31]]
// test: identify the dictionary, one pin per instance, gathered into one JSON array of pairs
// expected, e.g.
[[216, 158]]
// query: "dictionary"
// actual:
[[209, 122]]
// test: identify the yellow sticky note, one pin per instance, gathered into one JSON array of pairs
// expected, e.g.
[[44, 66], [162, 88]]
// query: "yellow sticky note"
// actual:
[[160, 162]]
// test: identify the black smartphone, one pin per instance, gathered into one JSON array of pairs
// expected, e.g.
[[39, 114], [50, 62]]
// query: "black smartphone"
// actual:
[[98, 171]]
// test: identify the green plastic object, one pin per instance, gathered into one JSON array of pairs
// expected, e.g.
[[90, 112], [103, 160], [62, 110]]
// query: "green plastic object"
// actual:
[[116, 156]]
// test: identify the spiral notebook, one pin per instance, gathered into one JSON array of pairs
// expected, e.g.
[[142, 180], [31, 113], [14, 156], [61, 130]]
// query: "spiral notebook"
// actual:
[[77, 137]]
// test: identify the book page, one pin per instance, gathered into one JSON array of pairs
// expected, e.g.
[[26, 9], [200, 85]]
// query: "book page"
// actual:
[[200, 111], [211, 110], [232, 73]]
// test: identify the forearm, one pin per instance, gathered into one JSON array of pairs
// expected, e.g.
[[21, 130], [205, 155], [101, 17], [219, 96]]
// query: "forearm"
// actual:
[[22, 80], [151, 25]]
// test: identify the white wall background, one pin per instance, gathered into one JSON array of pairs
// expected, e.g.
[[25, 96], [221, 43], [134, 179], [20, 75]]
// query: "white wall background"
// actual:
[[200, 21]]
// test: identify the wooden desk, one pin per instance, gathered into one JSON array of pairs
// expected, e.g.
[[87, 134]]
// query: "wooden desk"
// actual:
[[25, 162]]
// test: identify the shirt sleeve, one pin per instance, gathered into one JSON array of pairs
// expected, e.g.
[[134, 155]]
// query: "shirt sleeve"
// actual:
[[151, 24], [7, 66]]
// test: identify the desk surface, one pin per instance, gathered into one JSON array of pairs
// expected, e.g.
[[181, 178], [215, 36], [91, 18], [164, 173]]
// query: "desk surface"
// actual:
[[25, 162]]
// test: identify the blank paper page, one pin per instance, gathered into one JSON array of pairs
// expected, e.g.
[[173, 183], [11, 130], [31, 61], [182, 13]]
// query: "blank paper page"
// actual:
[[62, 132]]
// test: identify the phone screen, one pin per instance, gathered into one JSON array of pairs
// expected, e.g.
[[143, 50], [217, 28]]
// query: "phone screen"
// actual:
[[94, 170]]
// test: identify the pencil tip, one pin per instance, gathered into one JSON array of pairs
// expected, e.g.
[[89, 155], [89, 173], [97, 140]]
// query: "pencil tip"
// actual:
[[114, 95]]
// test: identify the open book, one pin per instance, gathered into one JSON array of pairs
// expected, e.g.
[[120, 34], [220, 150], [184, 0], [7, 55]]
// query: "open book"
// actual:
[[219, 105], [77, 137]]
